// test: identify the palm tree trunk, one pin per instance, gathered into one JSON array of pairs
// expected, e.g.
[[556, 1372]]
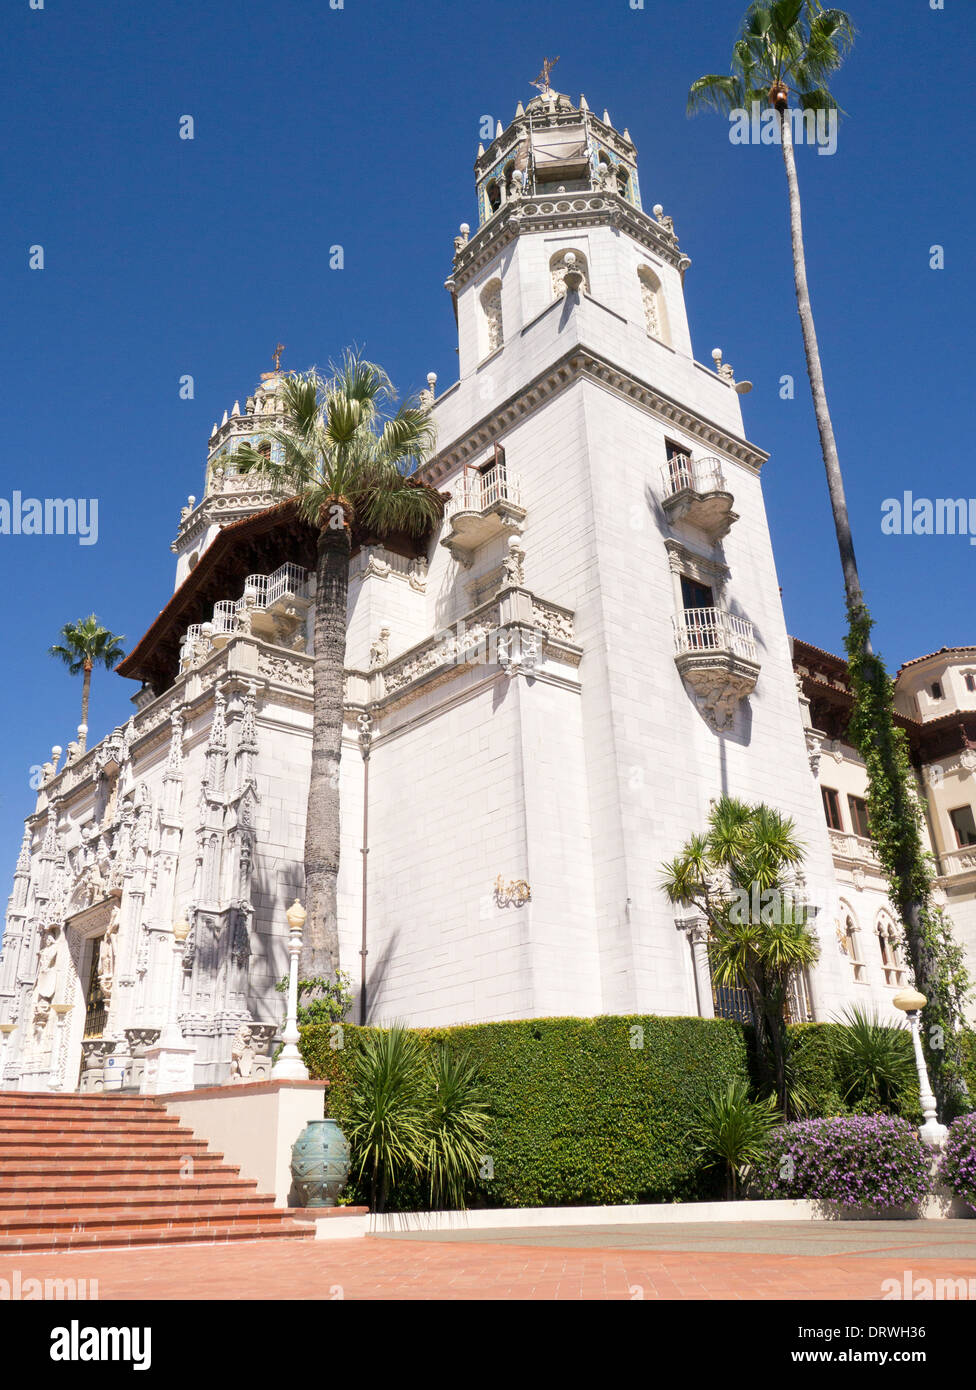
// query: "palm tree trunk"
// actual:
[[85, 694], [903, 889], [828, 445], [320, 949]]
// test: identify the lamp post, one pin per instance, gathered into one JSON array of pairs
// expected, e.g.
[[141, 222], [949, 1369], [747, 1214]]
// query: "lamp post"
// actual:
[[911, 1004], [289, 1066]]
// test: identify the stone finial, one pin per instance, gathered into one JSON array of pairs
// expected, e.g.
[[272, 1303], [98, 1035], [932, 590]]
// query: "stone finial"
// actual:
[[481, 149], [224, 420], [514, 563], [499, 130], [723, 369], [666, 222], [519, 111], [606, 117], [583, 103], [237, 408]]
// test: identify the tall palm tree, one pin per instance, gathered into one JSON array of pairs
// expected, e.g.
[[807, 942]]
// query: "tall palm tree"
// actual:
[[347, 451], [85, 645], [737, 873], [785, 53]]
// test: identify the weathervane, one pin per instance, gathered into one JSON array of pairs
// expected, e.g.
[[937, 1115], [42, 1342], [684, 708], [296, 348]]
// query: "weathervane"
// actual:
[[276, 355], [542, 81]]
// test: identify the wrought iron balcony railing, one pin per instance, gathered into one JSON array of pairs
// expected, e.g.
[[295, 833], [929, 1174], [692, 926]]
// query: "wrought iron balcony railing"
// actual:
[[714, 630], [682, 473], [476, 492]]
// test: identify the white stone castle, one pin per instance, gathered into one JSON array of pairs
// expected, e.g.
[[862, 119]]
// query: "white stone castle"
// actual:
[[589, 651]]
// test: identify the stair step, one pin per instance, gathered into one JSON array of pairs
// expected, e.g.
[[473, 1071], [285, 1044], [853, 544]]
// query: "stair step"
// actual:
[[151, 1193], [98, 1166], [96, 1180], [168, 1213], [73, 1100], [117, 1138], [136, 1235], [74, 1119]]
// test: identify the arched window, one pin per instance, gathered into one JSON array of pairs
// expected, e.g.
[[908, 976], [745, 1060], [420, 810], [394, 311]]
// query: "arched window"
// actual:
[[494, 195], [851, 946], [652, 300], [558, 268], [491, 309], [892, 951], [623, 182], [264, 448]]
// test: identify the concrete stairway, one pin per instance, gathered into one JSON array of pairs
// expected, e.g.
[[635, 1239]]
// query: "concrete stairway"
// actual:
[[89, 1171]]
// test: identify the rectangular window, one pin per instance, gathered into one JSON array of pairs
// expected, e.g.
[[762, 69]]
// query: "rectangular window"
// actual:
[[679, 465], [831, 803], [698, 601], [964, 825], [859, 816], [970, 681], [935, 690]]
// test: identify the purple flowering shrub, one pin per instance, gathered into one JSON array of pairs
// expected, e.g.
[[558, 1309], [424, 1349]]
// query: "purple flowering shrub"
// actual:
[[853, 1160], [957, 1167]]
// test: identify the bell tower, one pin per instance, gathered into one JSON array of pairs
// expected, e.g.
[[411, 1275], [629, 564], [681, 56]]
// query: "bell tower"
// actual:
[[559, 209], [227, 496]]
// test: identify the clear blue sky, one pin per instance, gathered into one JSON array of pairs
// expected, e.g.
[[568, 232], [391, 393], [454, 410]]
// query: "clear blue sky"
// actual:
[[359, 126]]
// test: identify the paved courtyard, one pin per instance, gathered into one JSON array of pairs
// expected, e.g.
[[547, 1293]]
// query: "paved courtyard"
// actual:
[[802, 1260]]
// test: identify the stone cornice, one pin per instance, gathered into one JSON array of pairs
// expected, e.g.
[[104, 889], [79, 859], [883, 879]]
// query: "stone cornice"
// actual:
[[570, 211], [223, 508], [580, 363]]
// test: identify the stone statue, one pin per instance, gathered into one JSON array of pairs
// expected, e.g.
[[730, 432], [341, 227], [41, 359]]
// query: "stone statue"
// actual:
[[514, 563], [417, 575], [106, 955], [242, 1055], [47, 979], [246, 614], [379, 652]]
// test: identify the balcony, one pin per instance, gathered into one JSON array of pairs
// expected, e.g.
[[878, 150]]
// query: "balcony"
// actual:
[[695, 491], [716, 653], [484, 504], [272, 606], [958, 864]]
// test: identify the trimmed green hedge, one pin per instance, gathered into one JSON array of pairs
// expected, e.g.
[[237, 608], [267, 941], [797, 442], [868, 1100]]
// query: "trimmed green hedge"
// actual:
[[581, 1115]]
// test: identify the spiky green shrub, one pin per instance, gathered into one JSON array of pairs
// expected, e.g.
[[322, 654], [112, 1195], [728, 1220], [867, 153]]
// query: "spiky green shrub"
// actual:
[[731, 1130]]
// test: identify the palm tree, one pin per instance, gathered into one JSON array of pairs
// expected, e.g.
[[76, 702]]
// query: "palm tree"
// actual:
[[85, 645], [347, 451], [788, 50], [738, 875]]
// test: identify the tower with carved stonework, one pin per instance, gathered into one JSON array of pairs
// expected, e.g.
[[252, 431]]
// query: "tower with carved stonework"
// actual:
[[552, 686]]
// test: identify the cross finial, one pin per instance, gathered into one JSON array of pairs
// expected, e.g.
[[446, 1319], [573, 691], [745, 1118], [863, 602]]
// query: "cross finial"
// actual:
[[276, 355], [542, 81]]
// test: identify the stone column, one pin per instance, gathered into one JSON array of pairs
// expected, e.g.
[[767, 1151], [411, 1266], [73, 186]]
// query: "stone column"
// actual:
[[697, 930]]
